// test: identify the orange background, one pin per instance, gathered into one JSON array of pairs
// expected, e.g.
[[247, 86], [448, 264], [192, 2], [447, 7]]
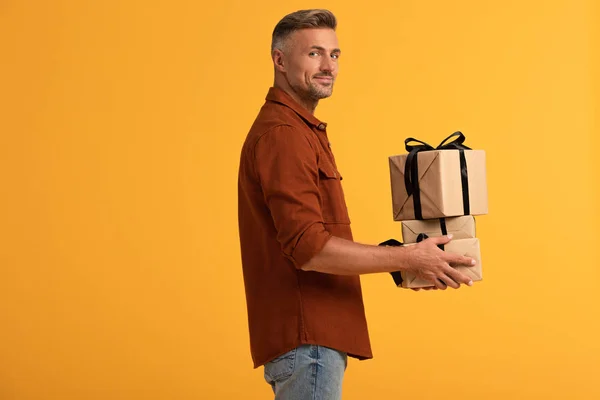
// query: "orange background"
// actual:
[[121, 124]]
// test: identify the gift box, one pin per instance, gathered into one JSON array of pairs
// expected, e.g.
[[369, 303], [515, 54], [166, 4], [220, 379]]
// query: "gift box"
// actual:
[[446, 181], [460, 227], [464, 247]]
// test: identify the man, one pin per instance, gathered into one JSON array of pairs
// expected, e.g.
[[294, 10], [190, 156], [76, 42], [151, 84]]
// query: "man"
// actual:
[[301, 267]]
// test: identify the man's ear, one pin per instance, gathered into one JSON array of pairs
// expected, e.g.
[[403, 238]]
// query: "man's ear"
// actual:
[[278, 60]]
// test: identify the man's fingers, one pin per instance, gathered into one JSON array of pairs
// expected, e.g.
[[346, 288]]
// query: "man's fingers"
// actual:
[[457, 260], [440, 239], [439, 284], [459, 277], [449, 281]]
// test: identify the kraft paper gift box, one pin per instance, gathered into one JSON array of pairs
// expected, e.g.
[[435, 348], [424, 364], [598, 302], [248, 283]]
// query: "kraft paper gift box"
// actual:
[[460, 227], [464, 247], [434, 183]]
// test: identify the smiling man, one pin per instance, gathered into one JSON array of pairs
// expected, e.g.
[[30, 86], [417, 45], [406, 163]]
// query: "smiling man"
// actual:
[[301, 266]]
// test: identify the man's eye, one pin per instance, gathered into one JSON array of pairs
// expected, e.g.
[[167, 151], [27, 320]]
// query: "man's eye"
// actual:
[[335, 56], [313, 53]]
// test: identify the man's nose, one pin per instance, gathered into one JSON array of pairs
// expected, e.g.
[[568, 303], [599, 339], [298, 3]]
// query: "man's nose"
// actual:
[[328, 65]]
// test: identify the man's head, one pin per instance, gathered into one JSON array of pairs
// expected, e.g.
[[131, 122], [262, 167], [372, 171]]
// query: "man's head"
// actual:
[[305, 54]]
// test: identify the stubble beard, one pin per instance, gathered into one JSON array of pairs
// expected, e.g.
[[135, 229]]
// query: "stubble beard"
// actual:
[[318, 92]]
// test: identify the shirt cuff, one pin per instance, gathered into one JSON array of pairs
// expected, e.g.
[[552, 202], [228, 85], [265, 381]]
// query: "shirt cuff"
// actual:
[[310, 244]]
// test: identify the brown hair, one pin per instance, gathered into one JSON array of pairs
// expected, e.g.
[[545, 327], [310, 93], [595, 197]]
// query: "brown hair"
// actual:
[[302, 19]]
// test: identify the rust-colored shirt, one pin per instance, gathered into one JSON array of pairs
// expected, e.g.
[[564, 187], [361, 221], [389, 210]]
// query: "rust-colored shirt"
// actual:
[[290, 202]]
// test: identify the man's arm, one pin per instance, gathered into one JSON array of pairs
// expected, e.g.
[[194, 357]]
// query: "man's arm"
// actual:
[[344, 257]]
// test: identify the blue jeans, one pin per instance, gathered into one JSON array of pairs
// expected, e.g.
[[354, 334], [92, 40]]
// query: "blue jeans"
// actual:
[[308, 372]]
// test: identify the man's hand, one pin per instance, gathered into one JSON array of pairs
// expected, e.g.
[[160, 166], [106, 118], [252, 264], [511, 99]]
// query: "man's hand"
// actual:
[[429, 262]]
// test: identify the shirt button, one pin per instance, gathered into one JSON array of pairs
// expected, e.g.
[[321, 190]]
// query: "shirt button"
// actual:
[[321, 127]]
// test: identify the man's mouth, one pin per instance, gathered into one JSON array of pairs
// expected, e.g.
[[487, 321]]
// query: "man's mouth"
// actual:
[[326, 79]]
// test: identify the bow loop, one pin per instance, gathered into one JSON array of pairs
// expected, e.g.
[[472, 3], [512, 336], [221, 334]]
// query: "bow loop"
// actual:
[[422, 146], [454, 144]]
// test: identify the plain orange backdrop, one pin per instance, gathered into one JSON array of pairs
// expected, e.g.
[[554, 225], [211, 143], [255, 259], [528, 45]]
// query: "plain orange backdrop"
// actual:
[[121, 124]]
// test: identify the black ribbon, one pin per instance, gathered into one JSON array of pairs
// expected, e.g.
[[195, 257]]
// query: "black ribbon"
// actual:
[[443, 226], [411, 170], [444, 231]]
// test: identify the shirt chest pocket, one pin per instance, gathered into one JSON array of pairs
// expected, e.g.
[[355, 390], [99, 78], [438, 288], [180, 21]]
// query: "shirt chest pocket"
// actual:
[[333, 203]]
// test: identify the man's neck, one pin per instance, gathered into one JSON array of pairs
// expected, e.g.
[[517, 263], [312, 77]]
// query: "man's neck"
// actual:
[[308, 104]]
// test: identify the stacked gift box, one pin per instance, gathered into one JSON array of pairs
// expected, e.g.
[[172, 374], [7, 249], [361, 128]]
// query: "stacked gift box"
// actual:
[[437, 191]]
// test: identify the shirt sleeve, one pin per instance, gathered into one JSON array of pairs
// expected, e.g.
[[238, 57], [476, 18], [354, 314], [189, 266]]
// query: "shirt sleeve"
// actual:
[[286, 167]]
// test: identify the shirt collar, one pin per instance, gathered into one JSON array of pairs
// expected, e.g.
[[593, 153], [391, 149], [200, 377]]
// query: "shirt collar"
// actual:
[[280, 96]]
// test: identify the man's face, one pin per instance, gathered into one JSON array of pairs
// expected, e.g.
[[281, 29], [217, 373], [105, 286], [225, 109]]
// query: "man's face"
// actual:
[[311, 58]]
